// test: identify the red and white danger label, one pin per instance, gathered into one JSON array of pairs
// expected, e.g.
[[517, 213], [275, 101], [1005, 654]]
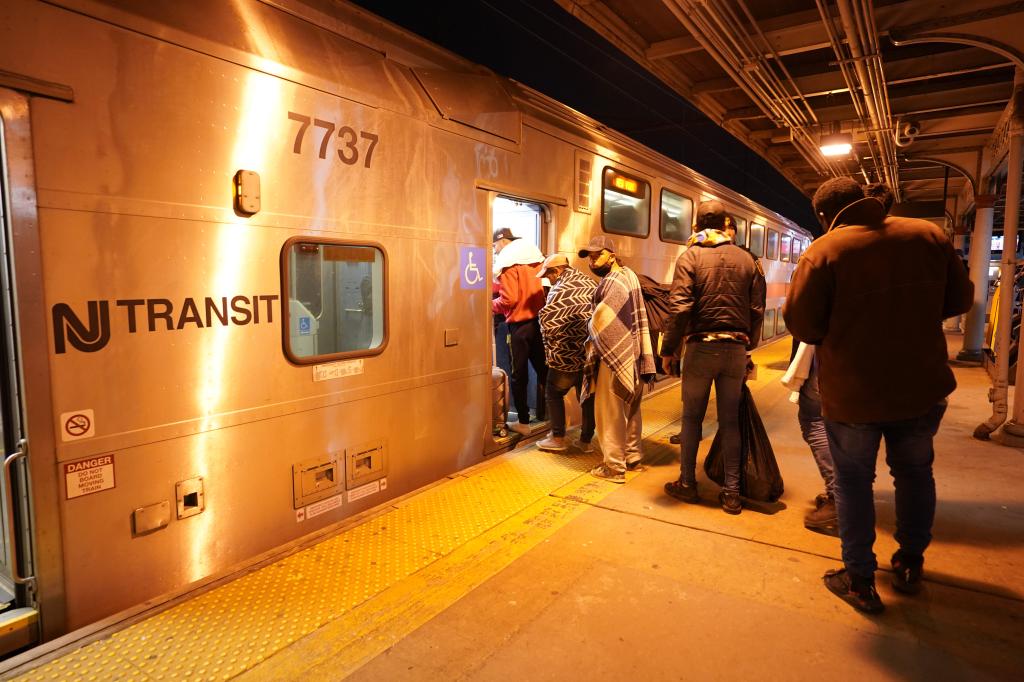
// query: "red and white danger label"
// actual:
[[89, 475]]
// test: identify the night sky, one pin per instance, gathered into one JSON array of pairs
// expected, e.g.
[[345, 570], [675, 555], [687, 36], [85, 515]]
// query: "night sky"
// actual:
[[538, 43]]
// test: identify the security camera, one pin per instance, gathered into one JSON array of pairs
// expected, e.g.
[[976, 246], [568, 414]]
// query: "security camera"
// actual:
[[910, 129]]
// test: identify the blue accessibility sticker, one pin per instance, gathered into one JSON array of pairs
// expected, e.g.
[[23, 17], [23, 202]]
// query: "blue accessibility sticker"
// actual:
[[472, 264], [305, 326]]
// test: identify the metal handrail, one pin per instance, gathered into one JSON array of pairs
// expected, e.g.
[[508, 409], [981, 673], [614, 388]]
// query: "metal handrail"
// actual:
[[12, 529]]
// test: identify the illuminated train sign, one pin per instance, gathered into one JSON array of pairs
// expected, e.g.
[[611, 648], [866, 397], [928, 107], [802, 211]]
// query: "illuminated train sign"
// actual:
[[155, 314]]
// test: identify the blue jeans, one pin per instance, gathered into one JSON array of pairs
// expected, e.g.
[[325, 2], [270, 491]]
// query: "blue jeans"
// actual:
[[725, 364], [909, 454], [812, 426], [558, 385]]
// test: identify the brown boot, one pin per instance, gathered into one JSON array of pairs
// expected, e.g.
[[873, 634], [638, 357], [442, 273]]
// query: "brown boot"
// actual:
[[824, 518]]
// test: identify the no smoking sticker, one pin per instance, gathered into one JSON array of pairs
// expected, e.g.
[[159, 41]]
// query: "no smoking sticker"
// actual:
[[76, 425]]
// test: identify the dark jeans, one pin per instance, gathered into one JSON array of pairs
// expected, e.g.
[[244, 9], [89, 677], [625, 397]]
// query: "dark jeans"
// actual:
[[527, 349], [812, 426], [724, 364], [558, 385], [909, 454]]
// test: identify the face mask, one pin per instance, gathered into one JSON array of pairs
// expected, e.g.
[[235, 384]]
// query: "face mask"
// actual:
[[601, 270]]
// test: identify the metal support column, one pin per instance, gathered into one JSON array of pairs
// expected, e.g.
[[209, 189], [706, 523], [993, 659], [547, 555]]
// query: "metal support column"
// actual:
[[979, 257], [1008, 269], [1013, 430]]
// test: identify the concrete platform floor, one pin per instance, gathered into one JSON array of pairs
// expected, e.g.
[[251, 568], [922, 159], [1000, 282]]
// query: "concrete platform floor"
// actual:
[[640, 586]]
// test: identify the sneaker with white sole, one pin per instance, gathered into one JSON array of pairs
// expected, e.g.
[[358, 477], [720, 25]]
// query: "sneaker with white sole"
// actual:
[[585, 446], [608, 474], [553, 444]]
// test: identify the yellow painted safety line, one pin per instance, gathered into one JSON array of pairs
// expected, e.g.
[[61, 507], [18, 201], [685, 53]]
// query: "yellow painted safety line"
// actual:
[[370, 585]]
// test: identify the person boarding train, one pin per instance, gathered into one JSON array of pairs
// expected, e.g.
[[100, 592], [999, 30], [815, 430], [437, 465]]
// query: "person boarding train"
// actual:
[[520, 298], [563, 325], [620, 362]]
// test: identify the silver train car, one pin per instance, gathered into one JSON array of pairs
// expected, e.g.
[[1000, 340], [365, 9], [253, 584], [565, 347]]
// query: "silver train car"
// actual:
[[247, 278]]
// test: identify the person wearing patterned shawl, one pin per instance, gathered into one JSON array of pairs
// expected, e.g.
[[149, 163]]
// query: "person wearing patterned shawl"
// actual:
[[620, 360]]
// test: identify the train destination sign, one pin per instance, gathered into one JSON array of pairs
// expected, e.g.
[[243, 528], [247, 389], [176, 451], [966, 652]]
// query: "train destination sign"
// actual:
[[88, 476]]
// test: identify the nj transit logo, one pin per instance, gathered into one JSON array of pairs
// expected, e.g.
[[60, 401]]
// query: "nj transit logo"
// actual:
[[156, 314]]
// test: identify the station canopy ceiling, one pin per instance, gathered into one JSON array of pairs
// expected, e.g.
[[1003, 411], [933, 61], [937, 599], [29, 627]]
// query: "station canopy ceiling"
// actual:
[[918, 87]]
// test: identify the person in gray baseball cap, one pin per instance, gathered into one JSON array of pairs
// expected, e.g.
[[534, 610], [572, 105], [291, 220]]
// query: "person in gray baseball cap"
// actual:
[[621, 360]]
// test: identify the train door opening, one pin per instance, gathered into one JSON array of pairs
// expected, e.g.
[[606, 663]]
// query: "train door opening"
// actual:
[[527, 221], [18, 616]]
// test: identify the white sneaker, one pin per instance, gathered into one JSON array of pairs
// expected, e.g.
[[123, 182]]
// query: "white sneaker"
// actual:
[[584, 446], [553, 443]]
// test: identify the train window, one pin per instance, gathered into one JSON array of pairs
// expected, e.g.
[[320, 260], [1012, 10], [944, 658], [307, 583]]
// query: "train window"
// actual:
[[784, 246], [772, 252], [780, 324], [768, 328], [757, 239], [798, 247], [676, 217], [626, 204], [741, 230], [337, 302]]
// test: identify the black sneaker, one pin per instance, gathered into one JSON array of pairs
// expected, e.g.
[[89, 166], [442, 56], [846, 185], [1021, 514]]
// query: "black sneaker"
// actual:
[[731, 503], [683, 492], [906, 572], [635, 466], [856, 591]]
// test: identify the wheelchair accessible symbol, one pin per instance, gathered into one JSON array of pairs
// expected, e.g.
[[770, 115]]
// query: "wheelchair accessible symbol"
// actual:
[[472, 262]]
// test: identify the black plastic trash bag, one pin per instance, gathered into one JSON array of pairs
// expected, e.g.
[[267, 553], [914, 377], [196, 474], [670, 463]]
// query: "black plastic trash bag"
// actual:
[[760, 478]]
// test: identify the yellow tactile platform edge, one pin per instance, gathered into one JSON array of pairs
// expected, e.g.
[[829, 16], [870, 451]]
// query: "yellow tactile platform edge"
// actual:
[[362, 589]]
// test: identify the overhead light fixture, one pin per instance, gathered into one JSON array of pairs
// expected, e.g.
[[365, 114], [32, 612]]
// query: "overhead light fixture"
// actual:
[[836, 144]]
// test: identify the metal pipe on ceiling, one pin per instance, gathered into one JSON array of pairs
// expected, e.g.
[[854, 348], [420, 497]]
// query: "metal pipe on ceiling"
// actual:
[[867, 63], [850, 78], [725, 39]]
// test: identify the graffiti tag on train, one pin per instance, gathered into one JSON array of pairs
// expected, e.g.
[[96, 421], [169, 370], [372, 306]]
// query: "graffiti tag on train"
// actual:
[[348, 140], [154, 314]]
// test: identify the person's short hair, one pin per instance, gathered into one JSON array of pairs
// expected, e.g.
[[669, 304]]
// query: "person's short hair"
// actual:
[[711, 215], [834, 195], [881, 191]]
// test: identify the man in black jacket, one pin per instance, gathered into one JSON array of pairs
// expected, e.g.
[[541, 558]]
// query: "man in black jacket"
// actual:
[[717, 304]]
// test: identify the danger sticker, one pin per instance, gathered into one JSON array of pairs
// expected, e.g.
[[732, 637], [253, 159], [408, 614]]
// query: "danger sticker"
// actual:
[[88, 476]]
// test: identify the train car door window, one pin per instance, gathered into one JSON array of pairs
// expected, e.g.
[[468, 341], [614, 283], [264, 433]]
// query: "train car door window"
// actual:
[[741, 230], [336, 300], [757, 240], [773, 245], [676, 217], [525, 218], [625, 204], [784, 246]]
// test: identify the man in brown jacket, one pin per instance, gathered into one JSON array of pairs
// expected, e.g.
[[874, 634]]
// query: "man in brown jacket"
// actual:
[[872, 294]]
